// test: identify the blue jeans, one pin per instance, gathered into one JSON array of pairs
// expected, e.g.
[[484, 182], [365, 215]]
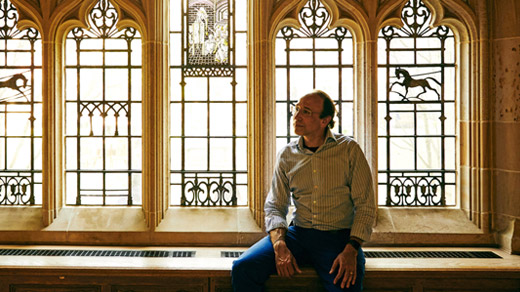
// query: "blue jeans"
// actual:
[[309, 246]]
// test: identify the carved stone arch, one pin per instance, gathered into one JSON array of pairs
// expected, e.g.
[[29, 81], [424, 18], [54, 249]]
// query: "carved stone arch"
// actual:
[[131, 14], [455, 14], [464, 24], [66, 18], [352, 16], [29, 15], [389, 13], [349, 14], [285, 15]]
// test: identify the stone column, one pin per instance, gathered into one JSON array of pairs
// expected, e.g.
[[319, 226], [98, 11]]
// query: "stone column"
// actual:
[[155, 111], [261, 107]]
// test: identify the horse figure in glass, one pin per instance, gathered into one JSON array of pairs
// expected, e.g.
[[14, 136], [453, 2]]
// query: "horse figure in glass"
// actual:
[[12, 83], [409, 81]]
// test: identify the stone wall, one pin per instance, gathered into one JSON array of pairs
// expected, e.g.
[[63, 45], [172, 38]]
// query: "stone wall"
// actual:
[[505, 89]]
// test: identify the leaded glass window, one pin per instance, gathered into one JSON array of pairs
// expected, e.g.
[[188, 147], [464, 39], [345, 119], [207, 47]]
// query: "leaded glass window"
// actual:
[[313, 57], [20, 111], [417, 112], [208, 41], [103, 112]]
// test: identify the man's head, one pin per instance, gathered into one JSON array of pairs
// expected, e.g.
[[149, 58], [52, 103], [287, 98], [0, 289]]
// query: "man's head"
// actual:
[[313, 113]]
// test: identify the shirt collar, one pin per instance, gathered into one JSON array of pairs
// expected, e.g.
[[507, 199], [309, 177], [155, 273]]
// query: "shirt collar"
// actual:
[[329, 137]]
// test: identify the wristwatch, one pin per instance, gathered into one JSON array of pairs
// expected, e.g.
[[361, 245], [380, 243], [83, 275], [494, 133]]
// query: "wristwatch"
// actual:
[[355, 244]]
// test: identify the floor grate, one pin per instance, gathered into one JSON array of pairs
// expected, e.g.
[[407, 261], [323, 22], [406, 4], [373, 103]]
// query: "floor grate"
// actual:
[[408, 254], [231, 254], [432, 254], [97, 253]]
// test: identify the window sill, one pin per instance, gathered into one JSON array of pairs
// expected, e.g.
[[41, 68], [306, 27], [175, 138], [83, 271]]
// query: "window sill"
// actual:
[[427, 226], [221, 227]]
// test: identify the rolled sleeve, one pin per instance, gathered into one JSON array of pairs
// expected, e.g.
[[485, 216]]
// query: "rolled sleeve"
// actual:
[[362, 193], [277, 201]]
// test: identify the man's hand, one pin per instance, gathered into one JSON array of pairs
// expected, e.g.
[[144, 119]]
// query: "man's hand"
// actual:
[[285, 262], [346, 262]]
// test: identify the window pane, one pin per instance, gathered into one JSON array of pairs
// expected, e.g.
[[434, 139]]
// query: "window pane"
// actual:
[[103, 112], [318, 58], [208, 102], [416, 111], [20, 111]]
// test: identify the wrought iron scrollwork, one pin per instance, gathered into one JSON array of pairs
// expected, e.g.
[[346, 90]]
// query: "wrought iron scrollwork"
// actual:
[[416, 17], [416, 191], [288, 33], [16, 190], [104, 109], [222, 71], [200, 190], [314, 18], [104, 18]]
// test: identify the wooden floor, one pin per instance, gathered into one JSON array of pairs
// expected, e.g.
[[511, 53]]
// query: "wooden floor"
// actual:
[[207, 271]]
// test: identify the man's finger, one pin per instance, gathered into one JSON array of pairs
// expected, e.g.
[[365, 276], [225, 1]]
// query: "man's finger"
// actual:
[[334, 264], [290, 269], [295, 265], [341, 272], [350, 279]]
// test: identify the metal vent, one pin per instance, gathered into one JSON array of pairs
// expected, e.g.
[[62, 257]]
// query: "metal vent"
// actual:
[[231, 254], [432, 254], [97, 253]]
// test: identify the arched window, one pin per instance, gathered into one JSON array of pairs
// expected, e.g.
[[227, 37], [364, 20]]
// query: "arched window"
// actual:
[[313, 57], [208, 41], [103, 112], [417, 112], [20, 111]]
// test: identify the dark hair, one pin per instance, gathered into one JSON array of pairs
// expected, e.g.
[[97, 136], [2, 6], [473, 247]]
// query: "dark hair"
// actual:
[[329, 109]]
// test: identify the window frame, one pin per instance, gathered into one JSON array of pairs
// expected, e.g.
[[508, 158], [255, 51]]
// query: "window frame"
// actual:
[[475, 186]]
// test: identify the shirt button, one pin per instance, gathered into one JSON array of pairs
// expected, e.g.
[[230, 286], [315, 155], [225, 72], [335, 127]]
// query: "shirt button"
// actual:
[[314, 216], [314, 171], [314, 202], [315, 187]]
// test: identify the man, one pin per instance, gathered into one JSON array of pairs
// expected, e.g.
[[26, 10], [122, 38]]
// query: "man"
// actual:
[[330, 183]]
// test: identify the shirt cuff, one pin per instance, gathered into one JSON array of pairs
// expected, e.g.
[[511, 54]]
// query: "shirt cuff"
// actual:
[[273, 222]]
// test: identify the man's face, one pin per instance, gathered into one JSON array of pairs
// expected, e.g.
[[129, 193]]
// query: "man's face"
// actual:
[[307, 120]]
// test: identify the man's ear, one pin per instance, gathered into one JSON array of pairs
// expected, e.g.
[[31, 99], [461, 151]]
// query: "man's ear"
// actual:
[[326, 120]]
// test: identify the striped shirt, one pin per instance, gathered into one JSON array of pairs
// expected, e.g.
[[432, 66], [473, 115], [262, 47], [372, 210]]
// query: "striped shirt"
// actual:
[[331, 188]]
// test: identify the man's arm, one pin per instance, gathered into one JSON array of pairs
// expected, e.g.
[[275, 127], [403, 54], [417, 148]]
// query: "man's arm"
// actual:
[[276, 208], [286, 264], [362, 194], [276, 204]]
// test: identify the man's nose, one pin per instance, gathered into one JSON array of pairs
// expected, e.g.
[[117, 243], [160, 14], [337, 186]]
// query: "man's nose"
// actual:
[[298, 115]]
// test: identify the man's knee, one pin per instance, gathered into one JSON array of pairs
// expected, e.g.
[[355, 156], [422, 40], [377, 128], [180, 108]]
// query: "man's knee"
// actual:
[[239, 266]]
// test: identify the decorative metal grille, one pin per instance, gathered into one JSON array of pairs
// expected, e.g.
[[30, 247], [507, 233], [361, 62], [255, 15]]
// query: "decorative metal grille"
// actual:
[[103, 112], [209, 102], [313, 57], [20, 111], [416, 112]]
